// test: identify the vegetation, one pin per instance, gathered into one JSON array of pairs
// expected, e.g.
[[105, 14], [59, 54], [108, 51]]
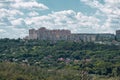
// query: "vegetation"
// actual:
[[13, 71], [45, 60]]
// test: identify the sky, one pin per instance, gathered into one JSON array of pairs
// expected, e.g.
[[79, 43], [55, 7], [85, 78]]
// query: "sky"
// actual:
[[79, 16]]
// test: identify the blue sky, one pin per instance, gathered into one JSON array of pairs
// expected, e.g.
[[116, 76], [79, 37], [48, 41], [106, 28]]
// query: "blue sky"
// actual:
[[59, 5], [79, 16]]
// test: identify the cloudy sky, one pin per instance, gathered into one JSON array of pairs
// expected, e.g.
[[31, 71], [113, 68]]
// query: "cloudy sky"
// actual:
[[79, 16]]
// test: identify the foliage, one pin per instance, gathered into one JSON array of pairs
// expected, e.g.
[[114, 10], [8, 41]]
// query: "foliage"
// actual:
[[13, 71], [92, 58]]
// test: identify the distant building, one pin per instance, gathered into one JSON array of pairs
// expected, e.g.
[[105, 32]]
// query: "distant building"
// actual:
[[32, 34], [55, 35], [105, 37], [83, 37], [118, 35]]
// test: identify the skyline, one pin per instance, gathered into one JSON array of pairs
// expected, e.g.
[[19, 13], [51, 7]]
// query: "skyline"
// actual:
[[80, 16]]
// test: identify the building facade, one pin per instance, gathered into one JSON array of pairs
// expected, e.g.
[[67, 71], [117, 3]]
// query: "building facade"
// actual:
[[55, 35], [118, 35], [32, 34]]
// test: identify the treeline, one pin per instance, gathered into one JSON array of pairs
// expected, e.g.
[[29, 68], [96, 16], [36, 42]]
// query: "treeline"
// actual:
[[92, 58], [14, 71]]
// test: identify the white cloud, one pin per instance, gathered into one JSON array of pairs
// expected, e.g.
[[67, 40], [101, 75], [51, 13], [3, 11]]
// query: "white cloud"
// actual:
[[33, 13], [12, 32], [1, 5], [29, 5], [112, 1], [110, 9], [17, 16], [67, 19], [1, 31], [13, 13], [17, 22]]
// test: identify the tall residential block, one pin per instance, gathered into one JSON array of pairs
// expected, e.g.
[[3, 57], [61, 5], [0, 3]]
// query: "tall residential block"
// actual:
[[55, 35], [32, 34]]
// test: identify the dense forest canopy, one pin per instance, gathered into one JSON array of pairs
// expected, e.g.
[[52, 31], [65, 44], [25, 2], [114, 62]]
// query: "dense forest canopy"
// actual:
[[97, 59]]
